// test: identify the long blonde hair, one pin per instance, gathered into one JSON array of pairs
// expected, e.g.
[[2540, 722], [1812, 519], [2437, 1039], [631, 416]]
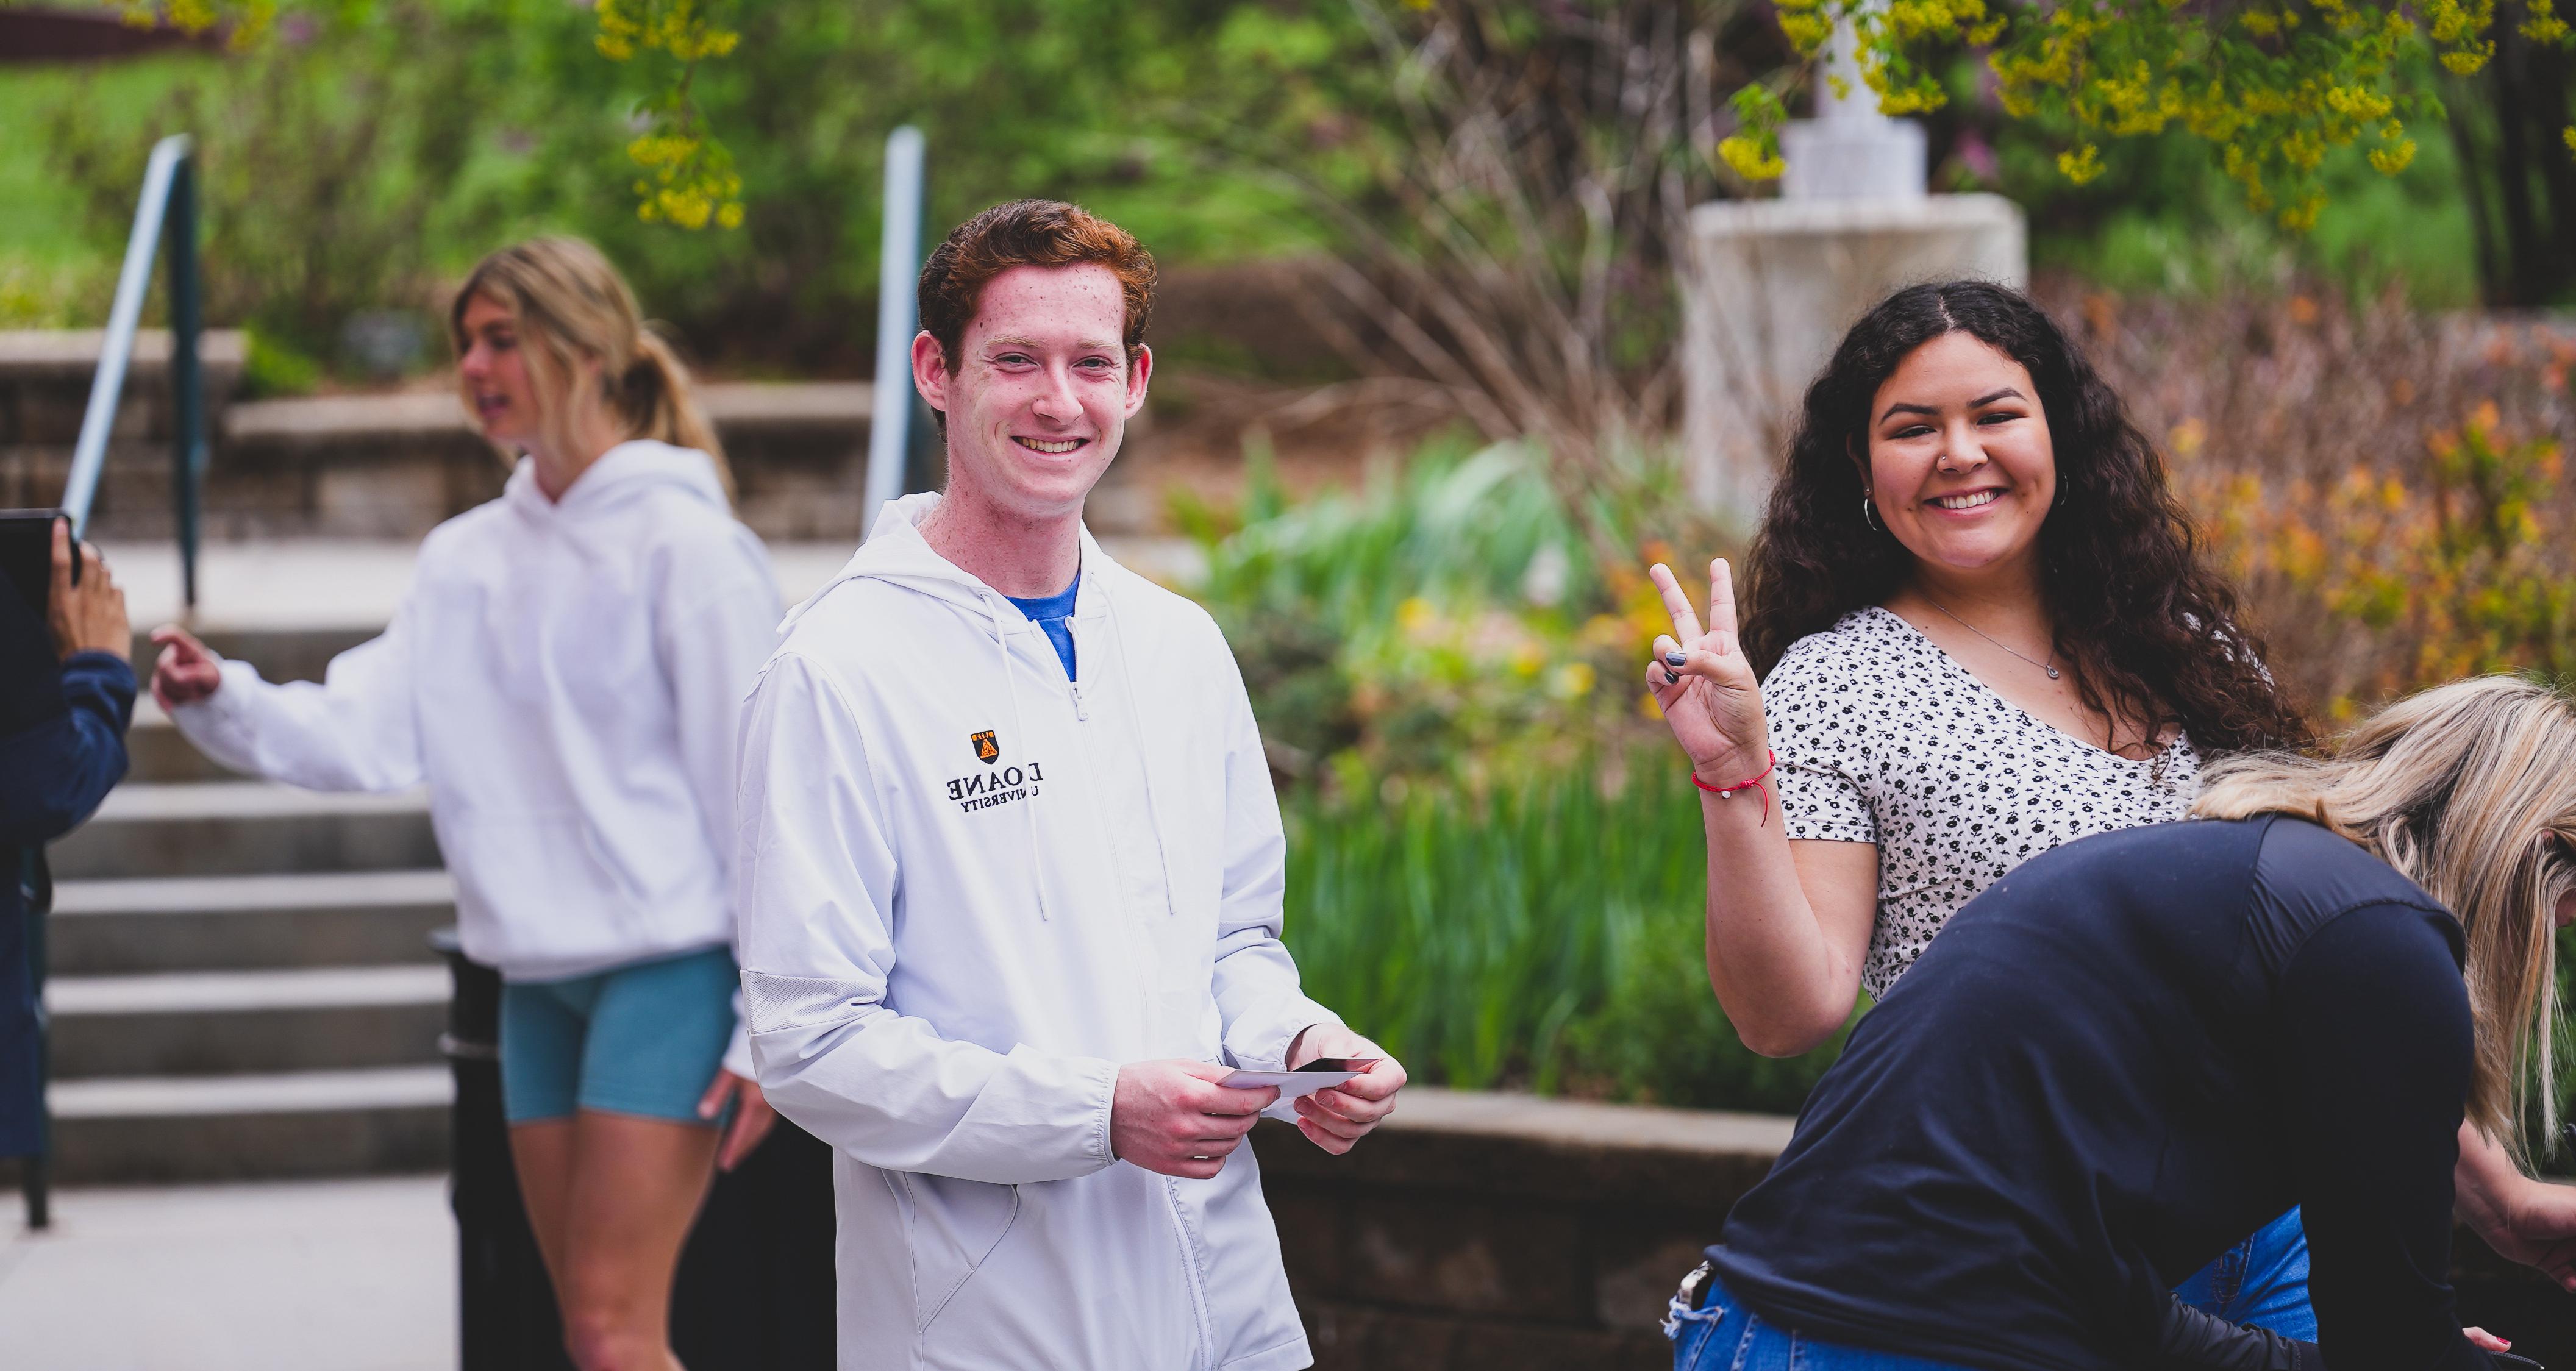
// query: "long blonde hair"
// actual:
[[570, 304], [2469, 790]]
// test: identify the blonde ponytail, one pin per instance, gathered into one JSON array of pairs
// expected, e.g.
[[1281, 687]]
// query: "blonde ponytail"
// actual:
[[570, 306], [659, 401]]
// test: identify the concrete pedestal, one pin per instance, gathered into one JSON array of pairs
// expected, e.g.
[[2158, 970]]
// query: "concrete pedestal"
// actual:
[[1770, 288]]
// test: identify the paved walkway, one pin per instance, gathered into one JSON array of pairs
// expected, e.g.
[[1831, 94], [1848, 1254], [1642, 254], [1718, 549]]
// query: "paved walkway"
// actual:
[[356, 1275]]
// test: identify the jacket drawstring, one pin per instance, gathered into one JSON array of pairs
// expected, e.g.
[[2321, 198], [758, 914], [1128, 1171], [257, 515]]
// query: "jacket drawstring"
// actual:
[[1020, 731], [1144, 758]]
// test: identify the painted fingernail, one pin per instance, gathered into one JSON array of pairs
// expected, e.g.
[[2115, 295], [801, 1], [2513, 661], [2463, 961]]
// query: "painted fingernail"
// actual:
[[1676, 660]]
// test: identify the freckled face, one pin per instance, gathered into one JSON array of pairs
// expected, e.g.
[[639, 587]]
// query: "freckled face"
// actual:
[[1042, 391], [1960, 464], [494, 374]]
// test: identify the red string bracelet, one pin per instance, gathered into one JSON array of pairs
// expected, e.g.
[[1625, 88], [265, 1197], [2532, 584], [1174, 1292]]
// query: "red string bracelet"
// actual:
[[1770, 760]]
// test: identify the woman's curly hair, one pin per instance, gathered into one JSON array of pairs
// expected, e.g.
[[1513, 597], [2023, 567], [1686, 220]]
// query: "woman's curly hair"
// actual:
[[2151, 631]]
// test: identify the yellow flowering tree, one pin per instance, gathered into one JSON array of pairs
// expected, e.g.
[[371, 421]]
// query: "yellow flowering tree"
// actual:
[[687, 177], [2270, 85]]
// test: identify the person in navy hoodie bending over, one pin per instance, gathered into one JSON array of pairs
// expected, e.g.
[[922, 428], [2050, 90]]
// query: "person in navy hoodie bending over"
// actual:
[[566, 675], [1010, 877]]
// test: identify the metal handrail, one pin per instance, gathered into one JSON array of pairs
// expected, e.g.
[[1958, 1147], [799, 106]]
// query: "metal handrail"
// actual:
[[169, 201], [898, 262]]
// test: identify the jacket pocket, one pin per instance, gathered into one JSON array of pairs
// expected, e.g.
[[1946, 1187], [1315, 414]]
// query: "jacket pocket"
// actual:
[[955, 1225]]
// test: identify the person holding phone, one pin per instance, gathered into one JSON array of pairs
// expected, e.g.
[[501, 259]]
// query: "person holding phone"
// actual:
[[565, 674], [1011, 877], [2140, 1044], [1978, 628], [66, 697]]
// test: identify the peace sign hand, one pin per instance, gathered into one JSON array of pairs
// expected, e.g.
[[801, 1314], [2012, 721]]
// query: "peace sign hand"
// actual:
[[1713, 702]]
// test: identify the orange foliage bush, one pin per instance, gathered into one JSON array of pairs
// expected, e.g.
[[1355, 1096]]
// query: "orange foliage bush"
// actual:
[[2387, 487]]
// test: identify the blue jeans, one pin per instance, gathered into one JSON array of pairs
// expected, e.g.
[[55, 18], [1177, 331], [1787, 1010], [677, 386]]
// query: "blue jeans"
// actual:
[[1721, 1335], [2262, 1281]]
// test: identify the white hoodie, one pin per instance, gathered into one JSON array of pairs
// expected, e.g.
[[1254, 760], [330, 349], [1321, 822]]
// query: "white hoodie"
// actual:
[[970, 890], [567, 677]]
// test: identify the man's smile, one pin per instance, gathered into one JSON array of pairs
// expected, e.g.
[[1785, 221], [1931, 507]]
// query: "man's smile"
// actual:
[[1054, 447]]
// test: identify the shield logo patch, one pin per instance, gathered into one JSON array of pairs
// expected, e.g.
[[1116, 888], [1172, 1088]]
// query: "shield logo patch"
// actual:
[[987, 749]]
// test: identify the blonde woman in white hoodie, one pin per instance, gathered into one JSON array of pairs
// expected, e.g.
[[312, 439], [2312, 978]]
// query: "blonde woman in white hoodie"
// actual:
[[565, 674]]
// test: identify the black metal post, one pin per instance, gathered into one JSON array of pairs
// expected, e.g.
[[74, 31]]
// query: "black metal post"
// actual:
[[506, 1316], [36, 1171], [187, 390]]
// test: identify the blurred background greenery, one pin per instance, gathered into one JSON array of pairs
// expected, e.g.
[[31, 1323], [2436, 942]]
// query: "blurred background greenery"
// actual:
[[419, 132], [1496, 866]]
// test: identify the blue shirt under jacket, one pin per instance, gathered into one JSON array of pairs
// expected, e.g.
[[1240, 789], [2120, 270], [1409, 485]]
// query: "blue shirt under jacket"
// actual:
[[62, 747], [1053, 614]]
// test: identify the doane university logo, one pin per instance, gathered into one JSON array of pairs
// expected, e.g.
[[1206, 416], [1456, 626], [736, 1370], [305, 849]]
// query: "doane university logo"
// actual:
[[997, 786]]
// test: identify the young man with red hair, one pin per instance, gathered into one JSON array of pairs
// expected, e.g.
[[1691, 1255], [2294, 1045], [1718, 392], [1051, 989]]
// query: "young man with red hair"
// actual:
[[1010, 872]]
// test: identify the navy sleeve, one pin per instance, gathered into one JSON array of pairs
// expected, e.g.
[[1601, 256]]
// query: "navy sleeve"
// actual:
[[2375, 1039], [67, 749]]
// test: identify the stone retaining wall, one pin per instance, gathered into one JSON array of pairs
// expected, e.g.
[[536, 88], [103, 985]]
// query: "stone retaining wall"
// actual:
[[1498, 1232]]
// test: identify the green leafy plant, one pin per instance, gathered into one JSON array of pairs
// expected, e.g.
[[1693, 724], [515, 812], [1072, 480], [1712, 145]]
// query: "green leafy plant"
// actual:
[[1442, 625], [689, 180], [326, 165], [1545, 936]]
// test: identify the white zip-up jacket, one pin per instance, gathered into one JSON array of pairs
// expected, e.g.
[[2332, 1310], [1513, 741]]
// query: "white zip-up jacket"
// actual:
[[567, 677], [970, 890]]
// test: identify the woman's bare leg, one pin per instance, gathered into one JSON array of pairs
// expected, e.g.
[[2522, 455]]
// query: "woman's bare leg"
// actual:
[[542, 1151], [636, 1184]]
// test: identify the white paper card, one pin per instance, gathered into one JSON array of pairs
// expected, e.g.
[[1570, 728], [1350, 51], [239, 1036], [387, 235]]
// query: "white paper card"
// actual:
[[1292, 1084]]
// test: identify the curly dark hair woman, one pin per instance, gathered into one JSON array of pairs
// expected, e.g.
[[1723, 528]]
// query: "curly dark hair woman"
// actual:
[[1979, 630], [2135, 608]]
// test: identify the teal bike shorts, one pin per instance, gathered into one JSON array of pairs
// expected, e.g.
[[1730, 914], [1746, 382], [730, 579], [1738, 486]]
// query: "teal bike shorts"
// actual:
[[645, 1038]]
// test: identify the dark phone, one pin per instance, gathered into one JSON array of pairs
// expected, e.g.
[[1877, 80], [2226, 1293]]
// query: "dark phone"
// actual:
[[1341, 1063], [2518, 1363], [27, 556]]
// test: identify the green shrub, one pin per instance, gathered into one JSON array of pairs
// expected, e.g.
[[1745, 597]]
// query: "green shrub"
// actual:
[[1546, 935], [1443, 623], [1495, 865]]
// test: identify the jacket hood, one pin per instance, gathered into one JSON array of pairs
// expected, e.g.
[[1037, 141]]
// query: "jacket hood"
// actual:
[[621, 475]]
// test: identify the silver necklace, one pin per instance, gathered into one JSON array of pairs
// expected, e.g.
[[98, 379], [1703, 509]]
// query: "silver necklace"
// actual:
[[1972, 628]]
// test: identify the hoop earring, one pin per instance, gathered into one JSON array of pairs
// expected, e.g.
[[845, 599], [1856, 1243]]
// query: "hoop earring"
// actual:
[[1868, 514]]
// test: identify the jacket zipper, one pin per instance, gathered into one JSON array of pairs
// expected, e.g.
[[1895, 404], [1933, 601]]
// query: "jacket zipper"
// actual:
[[1190, 1273]]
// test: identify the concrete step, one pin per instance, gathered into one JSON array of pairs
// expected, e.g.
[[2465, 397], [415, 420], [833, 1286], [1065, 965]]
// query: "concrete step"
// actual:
[[229, 828], [155, 751], [232, 923], [250, 1127], [204, 1023]]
